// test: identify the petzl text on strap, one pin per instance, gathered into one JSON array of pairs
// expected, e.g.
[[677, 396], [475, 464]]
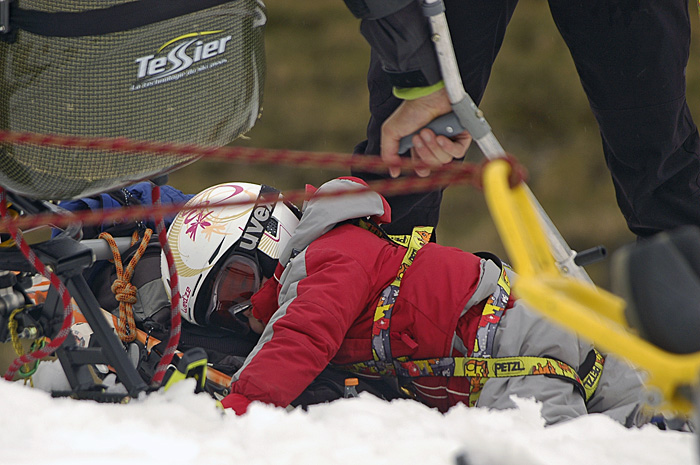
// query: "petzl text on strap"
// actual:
[[504, 367], [482, 369]]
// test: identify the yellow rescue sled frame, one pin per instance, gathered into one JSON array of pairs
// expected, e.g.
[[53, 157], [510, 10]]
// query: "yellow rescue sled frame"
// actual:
[[581, 307]]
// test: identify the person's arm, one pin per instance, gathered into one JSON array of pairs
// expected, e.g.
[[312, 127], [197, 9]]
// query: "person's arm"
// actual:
[[303, 335], [402, 40]]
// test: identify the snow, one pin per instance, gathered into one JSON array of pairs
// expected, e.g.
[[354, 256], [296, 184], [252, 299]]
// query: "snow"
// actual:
[[180, 427]]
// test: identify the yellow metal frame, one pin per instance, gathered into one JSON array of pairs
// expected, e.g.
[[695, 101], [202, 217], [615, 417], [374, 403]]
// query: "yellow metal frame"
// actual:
[[588, 310]]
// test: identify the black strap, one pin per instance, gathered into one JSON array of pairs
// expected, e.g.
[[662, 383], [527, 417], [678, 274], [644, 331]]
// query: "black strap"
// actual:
[[121, 17], [258, 222], [587, 364]]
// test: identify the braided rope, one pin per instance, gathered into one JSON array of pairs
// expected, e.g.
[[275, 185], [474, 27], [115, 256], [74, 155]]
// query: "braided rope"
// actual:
[[450, 174], [332, 160], [31, 257], [123, 290], [466, 174], [175, 319], [242, 154]]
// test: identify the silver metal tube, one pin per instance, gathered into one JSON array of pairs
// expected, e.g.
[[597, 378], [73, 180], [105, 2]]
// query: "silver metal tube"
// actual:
[[490, 147], [447, 59], [101, 250], [473, 120]]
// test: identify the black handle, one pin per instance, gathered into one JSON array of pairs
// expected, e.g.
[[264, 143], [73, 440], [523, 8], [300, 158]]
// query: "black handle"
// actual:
[[445, 125]]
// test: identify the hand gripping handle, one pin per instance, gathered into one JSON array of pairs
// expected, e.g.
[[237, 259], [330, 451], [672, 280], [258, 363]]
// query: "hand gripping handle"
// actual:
[[445, 125]]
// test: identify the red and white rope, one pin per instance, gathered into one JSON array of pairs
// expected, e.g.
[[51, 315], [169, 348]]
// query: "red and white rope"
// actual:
[[29, 254], [175, 318]]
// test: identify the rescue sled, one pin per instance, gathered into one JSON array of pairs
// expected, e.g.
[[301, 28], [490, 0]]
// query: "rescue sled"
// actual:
[[154, 70]]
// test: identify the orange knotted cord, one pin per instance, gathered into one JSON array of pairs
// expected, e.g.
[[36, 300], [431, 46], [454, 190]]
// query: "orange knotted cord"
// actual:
[[123, 290]]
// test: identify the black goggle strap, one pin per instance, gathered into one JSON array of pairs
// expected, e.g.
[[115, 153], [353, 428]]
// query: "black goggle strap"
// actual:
[[257, 224]]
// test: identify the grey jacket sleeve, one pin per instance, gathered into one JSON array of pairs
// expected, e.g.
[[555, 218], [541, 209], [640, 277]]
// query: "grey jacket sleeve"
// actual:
[[402, 41], [620, 394]]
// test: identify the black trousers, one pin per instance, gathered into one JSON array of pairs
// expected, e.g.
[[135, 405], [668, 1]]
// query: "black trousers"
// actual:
[[631, 57]]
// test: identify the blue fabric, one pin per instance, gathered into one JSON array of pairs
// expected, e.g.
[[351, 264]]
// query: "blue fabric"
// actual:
[[141, 195]]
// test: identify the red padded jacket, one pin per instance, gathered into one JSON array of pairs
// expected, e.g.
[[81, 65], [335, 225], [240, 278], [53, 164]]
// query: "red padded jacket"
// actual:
[[321, 309]]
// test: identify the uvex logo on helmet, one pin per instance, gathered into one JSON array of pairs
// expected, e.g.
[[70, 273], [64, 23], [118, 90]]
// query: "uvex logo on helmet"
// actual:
[[188, 49], [255, 227]]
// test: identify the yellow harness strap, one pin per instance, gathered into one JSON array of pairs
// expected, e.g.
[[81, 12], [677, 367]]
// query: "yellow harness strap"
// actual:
[[481, 366]]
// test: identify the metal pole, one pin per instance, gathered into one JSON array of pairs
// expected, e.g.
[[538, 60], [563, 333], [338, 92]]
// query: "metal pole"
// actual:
[[472, 119]]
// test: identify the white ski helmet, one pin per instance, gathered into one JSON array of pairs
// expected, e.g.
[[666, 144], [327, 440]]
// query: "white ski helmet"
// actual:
[[222, 253]]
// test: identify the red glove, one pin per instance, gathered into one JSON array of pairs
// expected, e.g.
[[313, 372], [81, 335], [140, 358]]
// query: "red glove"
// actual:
[[237, 402]]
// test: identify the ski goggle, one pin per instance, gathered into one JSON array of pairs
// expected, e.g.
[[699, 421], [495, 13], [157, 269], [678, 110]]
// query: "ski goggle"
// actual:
[[236, 282]]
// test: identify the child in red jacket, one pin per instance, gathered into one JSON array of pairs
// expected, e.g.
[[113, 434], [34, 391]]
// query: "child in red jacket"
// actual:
[[331, 288]]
